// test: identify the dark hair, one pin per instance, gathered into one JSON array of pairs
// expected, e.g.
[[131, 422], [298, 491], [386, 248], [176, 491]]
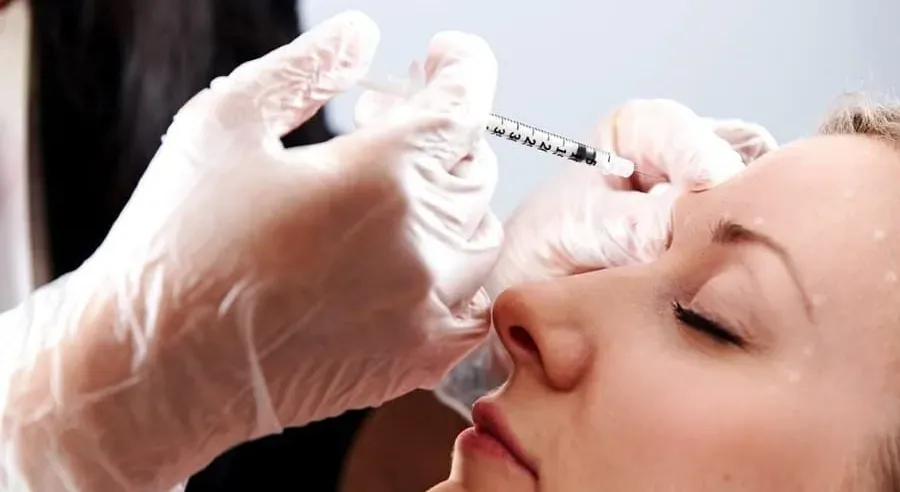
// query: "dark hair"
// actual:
[[109, 76]]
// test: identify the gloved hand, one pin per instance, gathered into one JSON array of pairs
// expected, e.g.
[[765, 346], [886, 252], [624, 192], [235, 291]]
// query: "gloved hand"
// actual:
[[247, 287], [582, 220]]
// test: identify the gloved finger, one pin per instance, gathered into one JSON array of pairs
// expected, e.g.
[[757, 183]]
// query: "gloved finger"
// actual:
[[460, 75], [459, 201], [286, 87], [750, 140], [449, 347], [667, 139], [461, 78], [637, 236], [453, 278], [590, 239]]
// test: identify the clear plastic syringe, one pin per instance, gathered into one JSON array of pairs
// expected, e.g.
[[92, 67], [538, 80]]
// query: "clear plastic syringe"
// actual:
[[551, 143], [535, 138]]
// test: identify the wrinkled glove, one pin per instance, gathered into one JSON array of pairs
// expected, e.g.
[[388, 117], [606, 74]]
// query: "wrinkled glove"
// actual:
[[583, 220], [248, 287]]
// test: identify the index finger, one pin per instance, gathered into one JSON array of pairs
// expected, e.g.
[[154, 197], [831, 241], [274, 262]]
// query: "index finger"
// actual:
[[460, 75], [460, 81], [290, 84]]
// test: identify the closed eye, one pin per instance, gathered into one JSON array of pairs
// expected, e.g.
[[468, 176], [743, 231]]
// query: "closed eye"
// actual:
[[706, 326]]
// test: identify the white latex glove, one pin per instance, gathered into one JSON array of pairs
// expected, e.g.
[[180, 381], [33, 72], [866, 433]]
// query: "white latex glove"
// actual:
[[582, 220], [247, 287]]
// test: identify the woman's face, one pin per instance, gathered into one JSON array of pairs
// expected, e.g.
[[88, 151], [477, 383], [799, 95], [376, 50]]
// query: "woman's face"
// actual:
[[757, 354]]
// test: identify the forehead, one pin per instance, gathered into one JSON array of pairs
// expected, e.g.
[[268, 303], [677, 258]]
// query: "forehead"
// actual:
[[834, 203]]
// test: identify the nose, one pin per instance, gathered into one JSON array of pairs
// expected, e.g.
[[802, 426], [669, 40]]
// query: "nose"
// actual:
[[536, 324]]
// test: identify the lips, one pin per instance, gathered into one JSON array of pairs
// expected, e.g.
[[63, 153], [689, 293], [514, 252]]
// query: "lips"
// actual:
[[488, 420]]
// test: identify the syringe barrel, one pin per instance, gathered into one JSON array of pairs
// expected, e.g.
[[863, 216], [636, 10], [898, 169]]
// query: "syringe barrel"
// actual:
[[552, 143]]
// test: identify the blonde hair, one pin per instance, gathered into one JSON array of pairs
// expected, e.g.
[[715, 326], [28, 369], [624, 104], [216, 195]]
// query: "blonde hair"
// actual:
[[858, 115]]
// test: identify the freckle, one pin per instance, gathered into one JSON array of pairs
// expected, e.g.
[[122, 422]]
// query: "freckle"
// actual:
[[879, 234], [890, 277]]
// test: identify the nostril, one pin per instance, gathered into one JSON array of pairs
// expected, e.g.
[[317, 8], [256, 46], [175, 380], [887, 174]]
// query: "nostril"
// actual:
[[523, 339]]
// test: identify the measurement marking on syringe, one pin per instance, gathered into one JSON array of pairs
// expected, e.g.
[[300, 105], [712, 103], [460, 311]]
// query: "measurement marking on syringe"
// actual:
[[548, 142]]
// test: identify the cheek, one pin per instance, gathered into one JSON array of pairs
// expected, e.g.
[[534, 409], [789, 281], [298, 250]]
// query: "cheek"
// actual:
[[656, 417]]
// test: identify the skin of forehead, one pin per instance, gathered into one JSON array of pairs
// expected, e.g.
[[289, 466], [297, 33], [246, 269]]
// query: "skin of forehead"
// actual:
[[828, 200]]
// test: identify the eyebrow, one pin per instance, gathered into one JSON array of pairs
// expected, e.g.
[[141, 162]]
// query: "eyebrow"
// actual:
[[730, 233]]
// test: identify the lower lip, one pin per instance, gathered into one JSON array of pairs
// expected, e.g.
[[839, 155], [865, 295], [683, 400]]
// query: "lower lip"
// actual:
[[470, 440]]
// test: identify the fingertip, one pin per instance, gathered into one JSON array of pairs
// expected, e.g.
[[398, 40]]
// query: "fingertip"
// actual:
[[352, 37], [366, 32], [352, 24], [284, 88], [464, 67], [750, 140], [456, 45], [715, 170]]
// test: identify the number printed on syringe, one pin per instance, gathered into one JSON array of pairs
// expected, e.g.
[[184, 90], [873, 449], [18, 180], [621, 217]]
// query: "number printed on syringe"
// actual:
[[551, 143], [544, 141]]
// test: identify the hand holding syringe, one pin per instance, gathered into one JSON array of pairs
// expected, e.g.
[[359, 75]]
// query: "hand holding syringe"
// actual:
[[535, 138]]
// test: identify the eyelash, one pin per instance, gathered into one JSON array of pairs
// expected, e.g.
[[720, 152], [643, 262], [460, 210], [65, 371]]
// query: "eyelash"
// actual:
[[706, 326]]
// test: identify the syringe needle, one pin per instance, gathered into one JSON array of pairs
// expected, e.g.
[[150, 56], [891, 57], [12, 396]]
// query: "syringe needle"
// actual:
[[535, 138]]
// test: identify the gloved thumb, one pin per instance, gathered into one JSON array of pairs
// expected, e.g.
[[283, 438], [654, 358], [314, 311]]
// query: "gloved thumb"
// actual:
[[665, 138], [629, 228], [704, 160], [750, 140], [272, 95], [587, 228]]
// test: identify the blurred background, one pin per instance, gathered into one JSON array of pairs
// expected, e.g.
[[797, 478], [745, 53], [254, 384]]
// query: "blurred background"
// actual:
[[564, 64]]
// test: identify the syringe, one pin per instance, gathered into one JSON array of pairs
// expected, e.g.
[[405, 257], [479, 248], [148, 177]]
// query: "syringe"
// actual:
[[551, 143], [535, 138]]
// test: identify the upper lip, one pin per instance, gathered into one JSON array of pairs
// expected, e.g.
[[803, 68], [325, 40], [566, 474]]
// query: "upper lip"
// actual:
[[488, 419]]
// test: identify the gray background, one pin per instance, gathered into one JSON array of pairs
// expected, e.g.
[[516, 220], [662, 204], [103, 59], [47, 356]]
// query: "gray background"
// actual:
[[780, 63]]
